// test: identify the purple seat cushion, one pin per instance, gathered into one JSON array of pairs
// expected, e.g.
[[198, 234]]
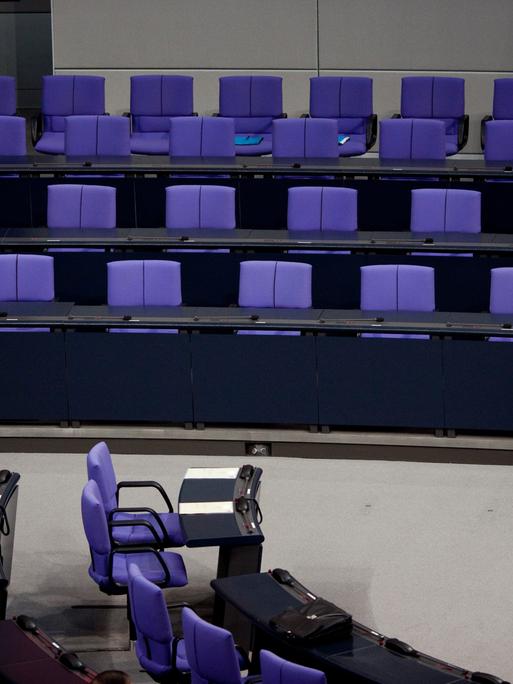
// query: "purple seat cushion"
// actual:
[[200, 206], [142, 535], [150, 143], [51, 142], [150, 567], [356, 145]]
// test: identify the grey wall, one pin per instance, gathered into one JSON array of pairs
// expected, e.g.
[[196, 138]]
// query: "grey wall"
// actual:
[[296, 39]]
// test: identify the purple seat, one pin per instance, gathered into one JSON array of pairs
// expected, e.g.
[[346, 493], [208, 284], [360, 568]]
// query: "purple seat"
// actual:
[[501, 296], [26, 278], [109, 564], [318, 208], [201, 136], [211, 652], [159, 652], [300, 138], [412, 139], [397, 288], [153, 100], [275, 284], [276, 670], [7, 96], [253, 102], [437, 97], [200, 206], [97, 136], [13, 136], [166, 526], [347, 99], [498, 145], [445, 211], [502, 109], [81, 206], [65, 96]]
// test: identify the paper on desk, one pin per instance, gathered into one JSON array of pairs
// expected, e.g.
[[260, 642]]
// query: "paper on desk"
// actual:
[[205, 507], [211, 474]]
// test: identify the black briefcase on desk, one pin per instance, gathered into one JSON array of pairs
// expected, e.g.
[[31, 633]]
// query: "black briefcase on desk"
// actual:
[[317, 620]]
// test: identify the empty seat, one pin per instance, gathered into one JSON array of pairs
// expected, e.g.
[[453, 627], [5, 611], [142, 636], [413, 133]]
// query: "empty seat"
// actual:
[[144, 283], [201, 136], [300, 138], [153, 100], [276, 670], [13, 136], [347, 99], [65, 96], [81, 206], [253, 102], [502, 108], [275, 284], [97, 136], [501, 296], [322, 208], [444, 211], [7, 96], [498, 144], [437, 97], [200, 206], [412, 139], [26, 278]]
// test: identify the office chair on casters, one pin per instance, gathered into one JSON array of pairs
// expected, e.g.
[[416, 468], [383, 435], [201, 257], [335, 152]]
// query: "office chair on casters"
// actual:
[[161, 530], [276, 670]]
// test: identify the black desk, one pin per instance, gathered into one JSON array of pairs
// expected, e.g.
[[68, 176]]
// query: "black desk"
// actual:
[[359, 659]]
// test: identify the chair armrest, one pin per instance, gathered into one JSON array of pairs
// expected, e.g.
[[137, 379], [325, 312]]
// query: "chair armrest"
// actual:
[[36, 127], [243, 657], [146, 483], [484, 121], [283, 115], [305, 115], [194, 114], [174, 651], [140, 549], [215, 114], [132, 523], [371, 131], [462, 131], [141, 509], [396, 116]]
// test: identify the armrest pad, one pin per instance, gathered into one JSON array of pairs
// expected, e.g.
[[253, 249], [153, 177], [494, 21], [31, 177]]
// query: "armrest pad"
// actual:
[[36, 127], [396, 116], [463, 131], [484, 121], [371, 131]]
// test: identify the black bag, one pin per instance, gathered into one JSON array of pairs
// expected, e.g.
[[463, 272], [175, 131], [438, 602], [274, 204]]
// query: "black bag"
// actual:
[[314, 621]]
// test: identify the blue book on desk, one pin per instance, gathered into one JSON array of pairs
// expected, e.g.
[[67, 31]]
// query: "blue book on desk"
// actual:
[[248, 139], [342, 139]]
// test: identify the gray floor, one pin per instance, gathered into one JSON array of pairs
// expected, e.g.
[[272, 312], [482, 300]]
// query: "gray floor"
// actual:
[[421, 551]]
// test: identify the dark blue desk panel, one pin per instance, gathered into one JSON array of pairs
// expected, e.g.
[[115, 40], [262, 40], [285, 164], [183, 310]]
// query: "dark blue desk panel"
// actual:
[[380, 382], [254, 379], [129, 377]]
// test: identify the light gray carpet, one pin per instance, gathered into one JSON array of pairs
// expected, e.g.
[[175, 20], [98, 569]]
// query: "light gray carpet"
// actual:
[[423, 552]]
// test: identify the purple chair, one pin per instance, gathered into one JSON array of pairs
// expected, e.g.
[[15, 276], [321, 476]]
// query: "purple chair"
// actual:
[[276, 670], [422, 139], [200, 206], [305, 137], [347, 99], [437, 97], [65, 96], [13, 136], [498, 143], [154, 100], [109, 563], [97, 136], [501, 296], [7, 96], [445, 211], [211, 652], [201, 136], [397, 288], [253, 102], [164, 527], [81, 206], [160, 653], [502, 105], [318, 208], [26, 278]]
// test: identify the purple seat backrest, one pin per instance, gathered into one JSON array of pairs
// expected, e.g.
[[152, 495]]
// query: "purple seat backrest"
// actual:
[[200, 206], [26, 278], [81, 206], [397, 288], [338, 97], [71, 95], [501, 291], [97, 136], [201, 136], [210, 651], [7, 95], [318, 208], [432, 97], [412, 139], [155, 98], [281, 284], [498, 140], [151, 620], [13, 136], [101, 470], [305, 138], [276, 670], [503, 98], [441, 210], [144, 283], [96, 529], [252, 101]]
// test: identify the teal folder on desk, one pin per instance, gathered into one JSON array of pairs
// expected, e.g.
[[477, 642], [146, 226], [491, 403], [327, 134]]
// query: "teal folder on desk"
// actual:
[[248, 139]]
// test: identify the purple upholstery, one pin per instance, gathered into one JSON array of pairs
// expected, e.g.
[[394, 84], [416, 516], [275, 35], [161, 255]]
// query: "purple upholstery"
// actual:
[[7, 96], [144, 283], [81, 206], [498, 140], [200, 206], [503, 98], [153, 100], [501, 296], [97, 136], [305, 138], [154, 633], [201, 136], [65, 96], [276, 670], [26, 278], [280, 284], [13, 136], [440, 211], [318, 208], [412, 139], [347, 99], [397, 288]]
